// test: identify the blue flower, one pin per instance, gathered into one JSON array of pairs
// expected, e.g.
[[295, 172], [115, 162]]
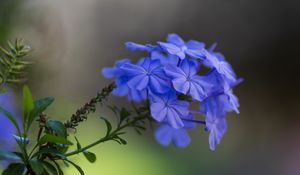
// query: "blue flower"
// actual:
[[215, 111], [185, 79], [176, 46], [167, 108], [121, 78], [164, 59], [218, 62], [147, 74], [135, 46], [223, 87], [114, 72], [7, 128], [167, 134]]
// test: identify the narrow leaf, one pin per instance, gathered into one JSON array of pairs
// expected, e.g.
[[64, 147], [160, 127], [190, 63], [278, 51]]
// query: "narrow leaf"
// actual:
[[48, 166], [27, 104], [60, 172], [76, 166], [108, 125]]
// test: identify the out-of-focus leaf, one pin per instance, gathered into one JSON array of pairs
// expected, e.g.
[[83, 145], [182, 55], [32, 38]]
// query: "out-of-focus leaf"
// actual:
[[37, 167], [49, 167], [14, 169], [39, 106], [58, 127], [28, 104], [108, 125], [76, 166], [54, 139], [6, 155]]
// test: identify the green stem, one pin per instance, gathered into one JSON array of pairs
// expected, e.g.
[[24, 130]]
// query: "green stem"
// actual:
[[106, 138]]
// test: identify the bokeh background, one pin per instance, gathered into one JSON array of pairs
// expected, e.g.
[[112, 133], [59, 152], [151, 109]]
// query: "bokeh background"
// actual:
[[73, 40]]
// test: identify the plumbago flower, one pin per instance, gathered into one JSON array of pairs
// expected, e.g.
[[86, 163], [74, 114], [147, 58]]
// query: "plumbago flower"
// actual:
[[169, 79]]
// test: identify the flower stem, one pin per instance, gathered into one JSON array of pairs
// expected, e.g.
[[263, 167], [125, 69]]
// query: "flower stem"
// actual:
[[107, 137]]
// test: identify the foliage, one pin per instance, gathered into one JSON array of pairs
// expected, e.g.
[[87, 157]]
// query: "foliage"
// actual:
[[12, 63]]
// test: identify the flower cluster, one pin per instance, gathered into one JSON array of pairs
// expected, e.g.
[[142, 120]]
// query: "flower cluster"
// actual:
[[170, 78]]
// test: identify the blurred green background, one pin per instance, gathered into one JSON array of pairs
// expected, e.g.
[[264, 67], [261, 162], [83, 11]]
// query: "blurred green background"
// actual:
[[73, 40]]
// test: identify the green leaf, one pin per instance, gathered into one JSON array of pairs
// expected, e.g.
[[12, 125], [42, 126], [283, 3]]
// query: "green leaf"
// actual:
[[54, 139], [124, 113], [108, 125], [11, 118], [76, 166], [58, 127], [28, 104], [6, 155], [14, 169], [91, 157], [48, 166], [39, 106], [37, 167]]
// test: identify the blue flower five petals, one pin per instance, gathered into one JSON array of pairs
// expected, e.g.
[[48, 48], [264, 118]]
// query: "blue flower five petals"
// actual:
[[113, 72], [167, 134], [176, 46], [215, 110], [185, 80], [148, 74], [166, 108], [217, 61]]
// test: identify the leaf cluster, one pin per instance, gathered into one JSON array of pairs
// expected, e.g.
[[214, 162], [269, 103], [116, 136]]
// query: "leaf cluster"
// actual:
[[12, 63], [51, 148]]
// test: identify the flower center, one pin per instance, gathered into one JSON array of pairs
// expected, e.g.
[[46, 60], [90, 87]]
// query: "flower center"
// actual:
[[184, 48]]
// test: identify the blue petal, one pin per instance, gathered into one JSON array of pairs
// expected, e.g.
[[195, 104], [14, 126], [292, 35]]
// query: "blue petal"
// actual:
[[199, 88], [135, 46], [174, 119], [181, 138], [181, 85], [195, 45], [137, 96], [132, 70], [170, 48], [158, 85], [138, 82], [196, 53], [158, 111], [174, 71], [175, 39], [188, 67], [121, 90], [225, 69], [109, 72], [163, 135]]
